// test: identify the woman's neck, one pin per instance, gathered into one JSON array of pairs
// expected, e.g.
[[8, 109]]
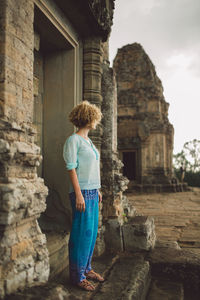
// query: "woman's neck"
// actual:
[[83, 132]]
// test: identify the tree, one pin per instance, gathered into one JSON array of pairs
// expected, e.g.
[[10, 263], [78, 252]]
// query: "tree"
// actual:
[[192, 152], [188, 160], [179, 160], [189, 157]]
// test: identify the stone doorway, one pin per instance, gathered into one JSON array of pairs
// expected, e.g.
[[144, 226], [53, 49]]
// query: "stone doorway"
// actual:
[[130, 164], [57, 89]]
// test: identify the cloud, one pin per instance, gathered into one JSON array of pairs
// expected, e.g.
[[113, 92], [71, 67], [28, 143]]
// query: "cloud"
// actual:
[[163, 27], [169, 32]]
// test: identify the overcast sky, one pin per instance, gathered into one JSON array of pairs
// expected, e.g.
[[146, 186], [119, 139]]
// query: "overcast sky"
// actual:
[[169, 31]]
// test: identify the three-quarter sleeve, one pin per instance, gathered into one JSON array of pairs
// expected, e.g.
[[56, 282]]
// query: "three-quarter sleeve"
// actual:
[[70, 153]]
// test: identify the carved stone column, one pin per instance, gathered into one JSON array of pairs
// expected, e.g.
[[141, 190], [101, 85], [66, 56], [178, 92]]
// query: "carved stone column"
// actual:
[[92, 68]]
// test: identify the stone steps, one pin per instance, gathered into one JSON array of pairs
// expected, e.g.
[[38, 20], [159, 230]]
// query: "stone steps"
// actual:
[[127, 276], [170, 273], [175, 272], [165, 289]]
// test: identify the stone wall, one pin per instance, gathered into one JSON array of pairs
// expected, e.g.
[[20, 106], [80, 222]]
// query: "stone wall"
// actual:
[[24, 256]]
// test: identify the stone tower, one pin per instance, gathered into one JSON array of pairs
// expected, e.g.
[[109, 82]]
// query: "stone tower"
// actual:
[[145, 136]]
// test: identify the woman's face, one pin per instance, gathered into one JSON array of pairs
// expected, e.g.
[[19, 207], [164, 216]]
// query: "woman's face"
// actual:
[[93, 125]]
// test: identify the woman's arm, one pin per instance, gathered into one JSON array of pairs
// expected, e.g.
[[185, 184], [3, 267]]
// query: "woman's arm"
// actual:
[[100, 196], [80, 202]]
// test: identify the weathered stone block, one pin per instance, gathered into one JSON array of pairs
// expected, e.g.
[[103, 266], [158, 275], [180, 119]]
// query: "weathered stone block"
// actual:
[[113, 235], [41, 271], [4, 146], [10, 237], [5, 253], [11, 217], [15, 281], [100, 243], [22, 147], [21, 199], [139, 233], [24, 263], [30, 275], [21, 248]]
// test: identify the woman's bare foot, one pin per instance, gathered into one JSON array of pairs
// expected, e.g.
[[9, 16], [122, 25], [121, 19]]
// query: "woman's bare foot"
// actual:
[[93, 275], [86, 285]]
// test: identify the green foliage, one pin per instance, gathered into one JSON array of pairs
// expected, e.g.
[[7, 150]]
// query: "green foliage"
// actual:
[[189, 157], [192, 179], [189, 160]]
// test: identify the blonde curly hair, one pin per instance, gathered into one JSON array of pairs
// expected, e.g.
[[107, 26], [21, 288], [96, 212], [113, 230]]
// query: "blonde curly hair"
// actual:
[[85, 114]]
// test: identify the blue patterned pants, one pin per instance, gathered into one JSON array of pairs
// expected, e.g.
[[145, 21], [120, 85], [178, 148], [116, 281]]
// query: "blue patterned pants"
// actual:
[[83, 235]]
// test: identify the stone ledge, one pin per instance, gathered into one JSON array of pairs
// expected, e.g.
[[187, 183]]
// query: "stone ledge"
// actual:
[[178, 265], [158, 188]]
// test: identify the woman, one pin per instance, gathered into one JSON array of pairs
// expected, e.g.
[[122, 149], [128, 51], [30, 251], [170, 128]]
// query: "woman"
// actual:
[[83, 164]]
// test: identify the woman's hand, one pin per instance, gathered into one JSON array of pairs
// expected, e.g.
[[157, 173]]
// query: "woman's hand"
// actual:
[[80, 203], [100, 196]]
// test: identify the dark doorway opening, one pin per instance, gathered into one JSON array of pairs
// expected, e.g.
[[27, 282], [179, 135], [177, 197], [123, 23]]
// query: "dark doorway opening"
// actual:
[[129, 161]]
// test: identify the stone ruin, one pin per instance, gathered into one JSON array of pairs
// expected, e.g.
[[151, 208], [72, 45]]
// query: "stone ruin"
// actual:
[[49, 63], [145, 135]]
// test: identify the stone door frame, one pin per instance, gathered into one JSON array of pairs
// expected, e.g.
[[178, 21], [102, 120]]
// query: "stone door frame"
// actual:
[[54, 171], [47, 7]]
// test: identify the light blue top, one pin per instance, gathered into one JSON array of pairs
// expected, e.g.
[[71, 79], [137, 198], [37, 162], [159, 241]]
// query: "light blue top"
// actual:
[[83, 156]]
